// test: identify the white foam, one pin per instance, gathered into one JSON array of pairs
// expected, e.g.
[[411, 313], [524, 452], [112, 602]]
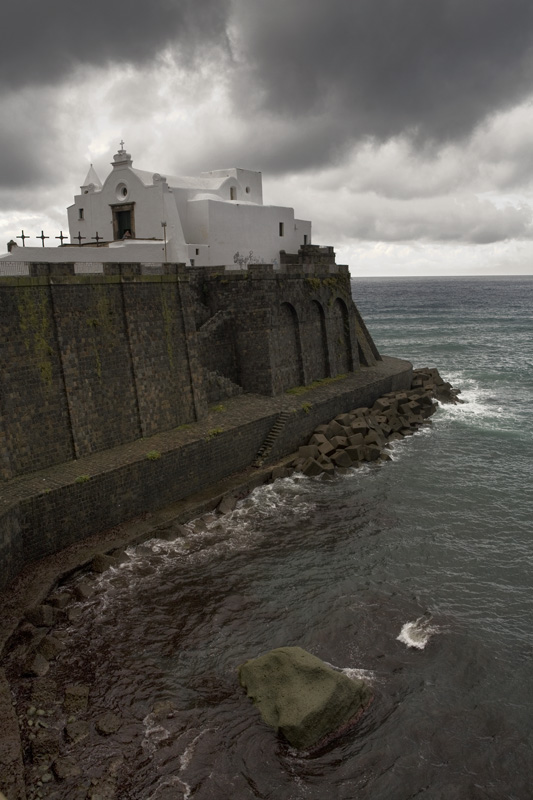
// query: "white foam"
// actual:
[[418, 633], [479, 405], [154, 734], [171, 781], [359, 674]]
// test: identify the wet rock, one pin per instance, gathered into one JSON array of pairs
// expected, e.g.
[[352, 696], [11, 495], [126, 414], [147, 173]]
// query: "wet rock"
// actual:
[[41, 616], [372, 452], [76, 731], [311, 468], [60, 600], [43, 692], [74, 614], [76, 698], [45, 746], [102, 562], [341, 459], [36, 666], [301, 696], [67, 767], [50, 647], [108, 723], [227, 504], [356, 453], [281, 472], [83, 590], [308, 451]]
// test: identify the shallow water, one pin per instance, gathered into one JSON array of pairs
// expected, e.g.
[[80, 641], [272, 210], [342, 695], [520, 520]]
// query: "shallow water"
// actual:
[[441, 538]]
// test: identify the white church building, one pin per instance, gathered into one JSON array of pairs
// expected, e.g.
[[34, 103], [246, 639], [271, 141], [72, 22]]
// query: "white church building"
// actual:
[[215, 219]]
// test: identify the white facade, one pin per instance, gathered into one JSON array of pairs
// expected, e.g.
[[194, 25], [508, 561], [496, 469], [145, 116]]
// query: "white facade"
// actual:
[[215, 219]]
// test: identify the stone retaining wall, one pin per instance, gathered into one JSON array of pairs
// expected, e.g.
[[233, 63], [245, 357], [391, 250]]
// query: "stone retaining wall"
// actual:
[[37, 522]]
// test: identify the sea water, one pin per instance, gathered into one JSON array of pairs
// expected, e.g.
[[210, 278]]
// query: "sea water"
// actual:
[[416, 574]]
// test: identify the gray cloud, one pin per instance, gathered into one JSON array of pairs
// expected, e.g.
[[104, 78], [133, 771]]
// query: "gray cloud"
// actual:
[[432, 70], [44, 42], [464, 219]]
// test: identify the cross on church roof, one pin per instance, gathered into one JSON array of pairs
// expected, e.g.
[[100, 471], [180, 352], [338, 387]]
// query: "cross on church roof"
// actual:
[[23, 236], [122, 144], [42, 237]]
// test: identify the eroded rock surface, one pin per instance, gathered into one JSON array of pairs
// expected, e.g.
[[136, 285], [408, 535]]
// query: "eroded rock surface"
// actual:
[[301, 696]]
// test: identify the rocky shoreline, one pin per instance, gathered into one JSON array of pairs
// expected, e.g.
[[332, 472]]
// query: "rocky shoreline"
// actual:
[[54, 720], [364, 434]]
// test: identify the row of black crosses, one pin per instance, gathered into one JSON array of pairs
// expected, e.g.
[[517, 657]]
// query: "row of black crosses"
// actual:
[[61, 236]]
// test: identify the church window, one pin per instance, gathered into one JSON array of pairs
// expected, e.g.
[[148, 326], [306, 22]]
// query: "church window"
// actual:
[[247, 190], [305, 238], [197, 251], [281, 229], [121, 191], [80, 213], [232, 193]]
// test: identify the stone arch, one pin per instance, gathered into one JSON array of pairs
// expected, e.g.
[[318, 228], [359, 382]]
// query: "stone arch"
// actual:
[[341, 337], [317, 343], [288, 350]]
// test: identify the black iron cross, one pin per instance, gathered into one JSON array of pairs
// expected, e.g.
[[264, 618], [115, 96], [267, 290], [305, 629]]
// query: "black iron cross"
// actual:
[[122, 144], [79, 237], [23, 237], [98, 238], [42, 237], [61, 236]]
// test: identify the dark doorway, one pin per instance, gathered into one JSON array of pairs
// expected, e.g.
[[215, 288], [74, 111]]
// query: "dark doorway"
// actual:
[[123, 221]]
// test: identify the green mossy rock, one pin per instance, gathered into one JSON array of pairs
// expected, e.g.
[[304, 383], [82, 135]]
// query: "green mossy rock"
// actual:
[[300, 696]]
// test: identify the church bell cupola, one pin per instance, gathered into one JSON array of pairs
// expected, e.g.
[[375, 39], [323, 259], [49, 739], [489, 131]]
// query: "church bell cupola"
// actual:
[[121, 158]]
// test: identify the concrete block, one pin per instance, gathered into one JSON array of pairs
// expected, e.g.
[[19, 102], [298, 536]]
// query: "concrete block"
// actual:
[[308, 451], [356, 453], [372, 452], [339, 441], [312, 468], [318, 439], [341, 459], [326, 449], [334, 429]]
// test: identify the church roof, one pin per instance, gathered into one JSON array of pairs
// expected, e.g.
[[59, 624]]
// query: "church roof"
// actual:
[[181, 182], [93, 178]]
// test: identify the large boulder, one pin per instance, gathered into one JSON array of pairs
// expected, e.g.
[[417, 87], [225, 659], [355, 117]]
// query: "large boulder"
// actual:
[[300, 696]]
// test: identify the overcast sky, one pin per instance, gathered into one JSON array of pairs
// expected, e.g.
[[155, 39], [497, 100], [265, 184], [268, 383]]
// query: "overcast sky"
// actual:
[[402, 128]]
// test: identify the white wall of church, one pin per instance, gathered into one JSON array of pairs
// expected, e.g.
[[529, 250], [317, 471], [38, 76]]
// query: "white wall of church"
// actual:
[[248, 184], [250, 232]]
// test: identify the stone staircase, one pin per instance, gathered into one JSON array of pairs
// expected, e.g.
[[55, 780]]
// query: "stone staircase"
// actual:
[[214, 322], [219, 387], [272, 435]]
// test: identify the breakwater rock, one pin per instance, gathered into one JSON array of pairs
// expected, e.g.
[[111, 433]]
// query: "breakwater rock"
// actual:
[[302, 697], [363, 435]]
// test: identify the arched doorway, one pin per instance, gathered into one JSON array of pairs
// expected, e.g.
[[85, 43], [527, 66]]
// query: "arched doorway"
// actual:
[[288, 349], [317, 349]]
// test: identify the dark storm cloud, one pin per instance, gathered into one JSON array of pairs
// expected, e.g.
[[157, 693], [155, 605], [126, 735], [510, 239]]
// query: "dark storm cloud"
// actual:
[[429, 68], [43, 41]]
